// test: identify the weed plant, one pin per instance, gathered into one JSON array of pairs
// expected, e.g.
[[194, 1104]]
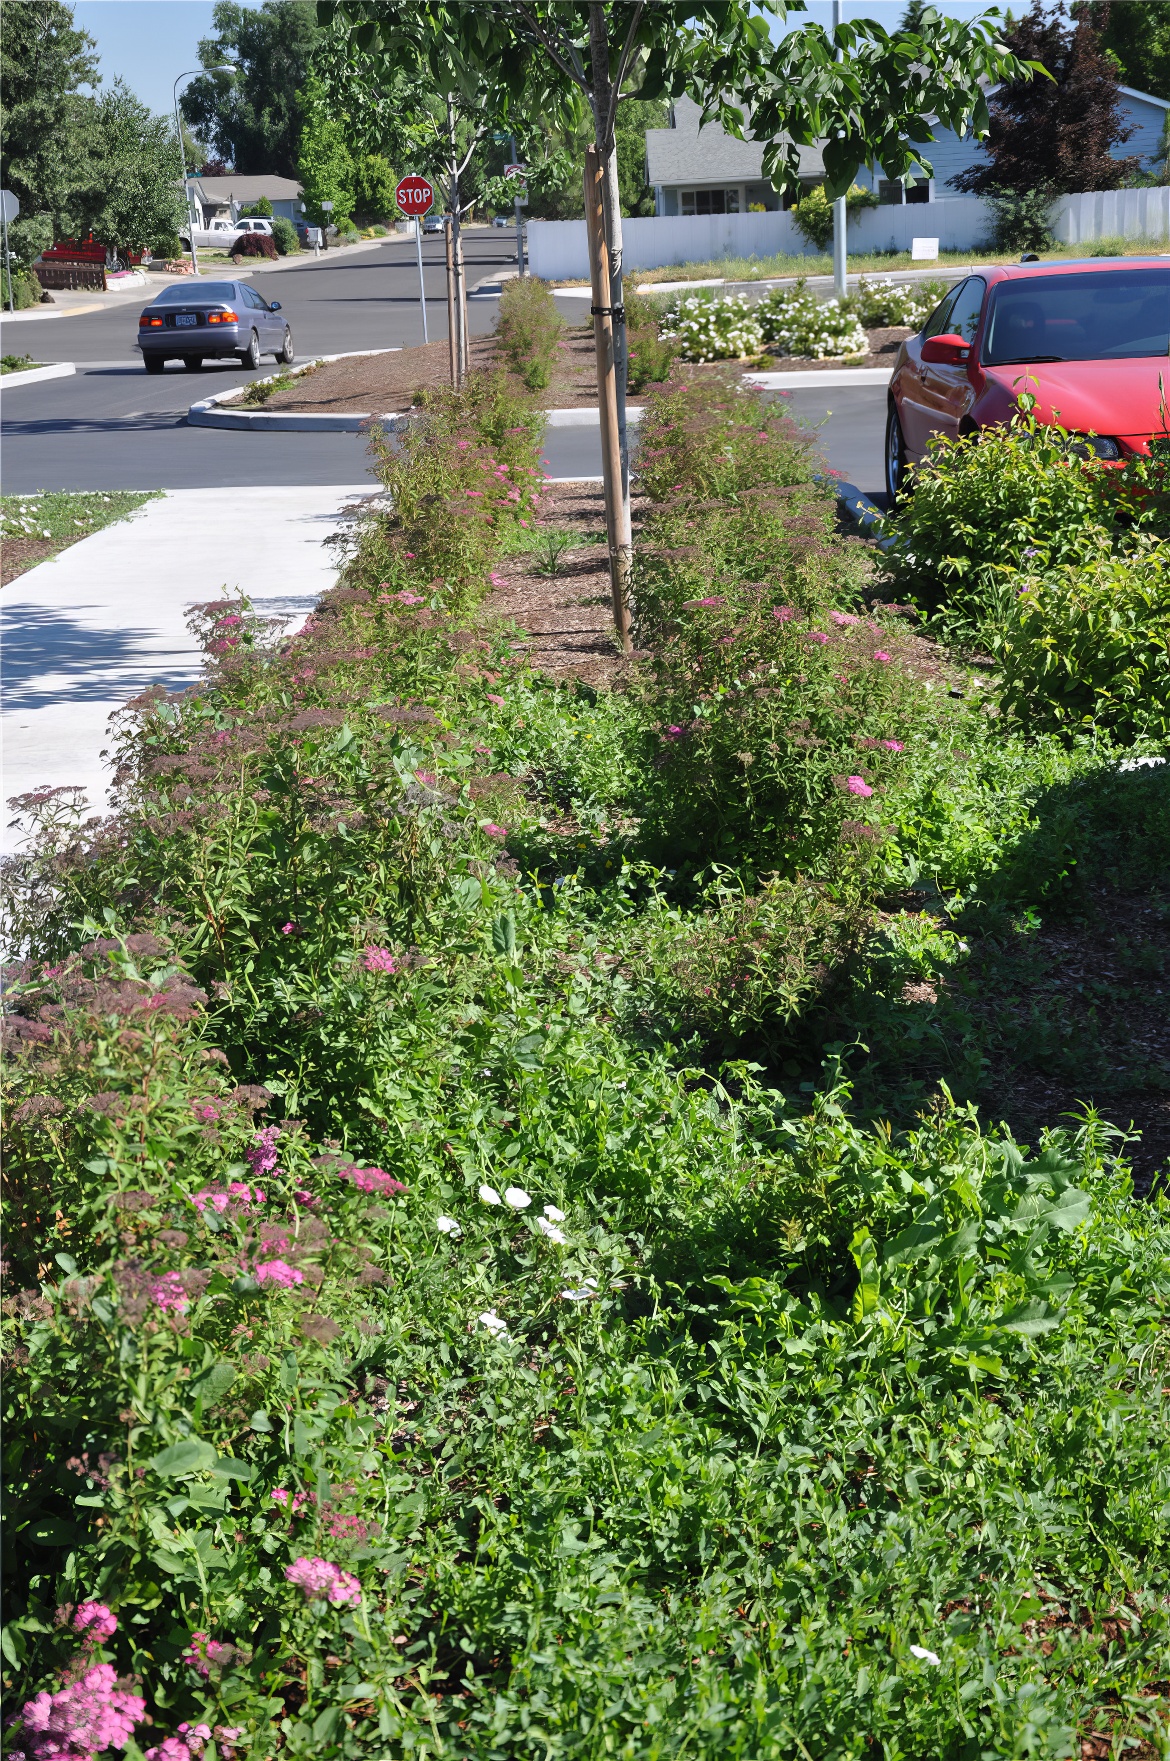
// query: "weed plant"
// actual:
[[421, 1338]]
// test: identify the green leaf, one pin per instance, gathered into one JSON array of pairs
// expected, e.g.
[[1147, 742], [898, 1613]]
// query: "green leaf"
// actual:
[[192, 1456], [66, 1262], [214, 1383], [260, 1421], [865, 1297], [1029, 1319], [504, 933], [913, 1241]]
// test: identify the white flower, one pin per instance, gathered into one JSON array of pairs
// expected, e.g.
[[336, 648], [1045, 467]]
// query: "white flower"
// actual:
[[551, 1231], [492, 1322], [588, 1289], [489, 1195], [516, 1197], [553, 1214], [923, 1655], [447, 1226], [1139, 763]]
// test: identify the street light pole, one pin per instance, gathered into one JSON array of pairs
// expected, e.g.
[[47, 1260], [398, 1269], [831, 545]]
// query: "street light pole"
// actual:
[[840, 212], [191, 73]]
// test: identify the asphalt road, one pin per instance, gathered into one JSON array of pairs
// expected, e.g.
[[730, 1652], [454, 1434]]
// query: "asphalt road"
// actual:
[[112, 427]]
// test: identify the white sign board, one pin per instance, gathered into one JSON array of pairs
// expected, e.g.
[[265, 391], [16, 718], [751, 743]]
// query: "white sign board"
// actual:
[[923, 250], [9, 206]]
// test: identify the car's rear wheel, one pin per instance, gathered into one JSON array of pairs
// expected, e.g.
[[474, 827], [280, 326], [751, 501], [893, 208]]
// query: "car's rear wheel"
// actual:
[[193, 363], [895, 454], [287, 354], [250, 357], [153, 363]]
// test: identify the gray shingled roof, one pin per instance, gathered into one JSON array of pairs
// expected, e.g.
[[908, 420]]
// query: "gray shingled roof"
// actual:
[[687, 154], [247, 189]]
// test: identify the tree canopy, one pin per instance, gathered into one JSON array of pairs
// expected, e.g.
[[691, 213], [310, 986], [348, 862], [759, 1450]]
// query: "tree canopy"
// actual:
[[135, 194], [44, 62], [1137, 33], [1055, 135], [254, 117]]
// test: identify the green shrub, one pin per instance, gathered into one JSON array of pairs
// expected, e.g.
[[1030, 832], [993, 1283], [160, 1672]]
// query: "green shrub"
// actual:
[[168, 246], [261, 210], [528, 330], [1088, 645], [1020, 498], [28, 236], [285, 235], [708, 327], [813, 214], [651, 355], [1021, 220], [26, 289], [800, 324]]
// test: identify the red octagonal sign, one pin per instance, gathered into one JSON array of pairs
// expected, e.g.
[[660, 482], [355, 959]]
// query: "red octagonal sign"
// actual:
[[414, 195]]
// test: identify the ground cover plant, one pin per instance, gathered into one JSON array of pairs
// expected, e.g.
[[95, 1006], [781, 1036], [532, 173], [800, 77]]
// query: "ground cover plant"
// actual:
[[529, 329], [468, 1295], [39, 525]]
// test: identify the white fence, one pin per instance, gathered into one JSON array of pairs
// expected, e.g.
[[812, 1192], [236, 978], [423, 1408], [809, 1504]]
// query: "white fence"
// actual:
[[558, 252], [1113, 214]]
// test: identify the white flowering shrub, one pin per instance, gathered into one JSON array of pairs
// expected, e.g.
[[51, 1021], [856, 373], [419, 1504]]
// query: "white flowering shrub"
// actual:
[[714, 329], [798, 323], [896, 302]]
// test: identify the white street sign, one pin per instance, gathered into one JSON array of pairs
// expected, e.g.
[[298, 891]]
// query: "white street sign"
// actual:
[[9, 206]]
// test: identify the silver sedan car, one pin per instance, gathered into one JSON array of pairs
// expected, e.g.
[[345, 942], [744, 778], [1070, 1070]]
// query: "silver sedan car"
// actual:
[[200, 320]]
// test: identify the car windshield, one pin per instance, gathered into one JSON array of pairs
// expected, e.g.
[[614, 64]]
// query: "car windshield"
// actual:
[[218, 292], [1100, 315]]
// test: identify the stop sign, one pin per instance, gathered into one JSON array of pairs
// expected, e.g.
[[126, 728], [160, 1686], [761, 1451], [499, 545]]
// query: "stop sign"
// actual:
[[414, 195]]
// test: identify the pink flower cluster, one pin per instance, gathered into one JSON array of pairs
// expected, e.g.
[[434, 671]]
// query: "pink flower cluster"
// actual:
[[291, 1501], [494, 831], [277, 1272], [857, 786], [322, 1581], [95, 1622], [784, 613], [216, 1199], [372, 1180], [377, 959], [193, 1739], [205, 1653], [261, 1154], [842, 618], [80, 1720], [167, 1293]]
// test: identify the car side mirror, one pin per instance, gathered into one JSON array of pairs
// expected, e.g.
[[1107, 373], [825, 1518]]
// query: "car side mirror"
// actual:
[[274, 306], [947, 350]]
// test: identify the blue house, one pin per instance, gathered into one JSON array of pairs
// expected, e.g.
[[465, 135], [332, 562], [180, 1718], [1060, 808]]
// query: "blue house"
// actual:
[[950, 153]]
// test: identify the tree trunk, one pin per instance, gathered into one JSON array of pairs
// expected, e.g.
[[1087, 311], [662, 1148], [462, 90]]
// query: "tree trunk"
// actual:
[[608, 294], [457, 257], [617, 524]]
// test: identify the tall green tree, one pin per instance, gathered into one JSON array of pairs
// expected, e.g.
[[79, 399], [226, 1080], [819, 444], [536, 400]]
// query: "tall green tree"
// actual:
[[325, 163], [1056, 135], [45, 118], [254, 117], [1137, 33], [135, 191]]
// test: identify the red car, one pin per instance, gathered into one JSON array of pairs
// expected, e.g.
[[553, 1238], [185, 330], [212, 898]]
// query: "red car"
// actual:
[[1090, 340]]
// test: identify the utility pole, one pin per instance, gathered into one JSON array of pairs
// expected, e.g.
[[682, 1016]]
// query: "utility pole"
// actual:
[[840, 210]]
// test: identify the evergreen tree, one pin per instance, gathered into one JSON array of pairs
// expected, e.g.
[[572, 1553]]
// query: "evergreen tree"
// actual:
[[254, 119], [44, 62], [1054, 135], [1138, 34]]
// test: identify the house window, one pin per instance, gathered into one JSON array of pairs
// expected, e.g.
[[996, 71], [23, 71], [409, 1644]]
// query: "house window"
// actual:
[[710, 201], [894, 192]]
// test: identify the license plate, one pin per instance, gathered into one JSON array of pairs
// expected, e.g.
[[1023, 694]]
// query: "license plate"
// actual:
[[186, 318]]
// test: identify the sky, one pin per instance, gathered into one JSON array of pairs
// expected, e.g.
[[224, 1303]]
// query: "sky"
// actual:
[[150, 42]]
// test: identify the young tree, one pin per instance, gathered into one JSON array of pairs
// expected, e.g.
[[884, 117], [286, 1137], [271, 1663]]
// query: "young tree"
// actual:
[[135, 192], [871, 106], [47, 137], [1056, 135], [325, 165], [374, 186], [1137, 33], [254, 117]]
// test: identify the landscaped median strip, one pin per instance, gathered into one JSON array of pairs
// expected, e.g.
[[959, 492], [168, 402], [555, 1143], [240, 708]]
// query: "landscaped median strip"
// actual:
[[33, 375]]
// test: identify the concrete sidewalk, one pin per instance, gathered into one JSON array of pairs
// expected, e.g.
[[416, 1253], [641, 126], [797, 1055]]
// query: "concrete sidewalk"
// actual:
[[91, 628]]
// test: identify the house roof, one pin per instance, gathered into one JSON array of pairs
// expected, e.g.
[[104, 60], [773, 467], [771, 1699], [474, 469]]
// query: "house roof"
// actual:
[[688, 154], [246, 189]]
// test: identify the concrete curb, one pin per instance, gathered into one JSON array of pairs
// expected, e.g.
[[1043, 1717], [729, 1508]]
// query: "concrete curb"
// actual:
[[34, 375], [210, 413]]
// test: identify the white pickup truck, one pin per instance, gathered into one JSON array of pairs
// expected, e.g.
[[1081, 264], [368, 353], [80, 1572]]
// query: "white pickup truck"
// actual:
[[221, 235]]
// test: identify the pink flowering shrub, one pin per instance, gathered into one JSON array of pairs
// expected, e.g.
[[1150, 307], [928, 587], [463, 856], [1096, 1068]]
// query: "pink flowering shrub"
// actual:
[[278, 1274], [79, 1720]]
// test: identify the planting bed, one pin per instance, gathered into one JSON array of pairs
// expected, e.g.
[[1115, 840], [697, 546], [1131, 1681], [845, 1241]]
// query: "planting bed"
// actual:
[[514, 1247]]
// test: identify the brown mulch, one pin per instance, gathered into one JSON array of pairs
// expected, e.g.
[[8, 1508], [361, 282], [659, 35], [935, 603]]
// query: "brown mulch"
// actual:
[[386, 384], [18, 555], [567, 618], [383, 385]]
